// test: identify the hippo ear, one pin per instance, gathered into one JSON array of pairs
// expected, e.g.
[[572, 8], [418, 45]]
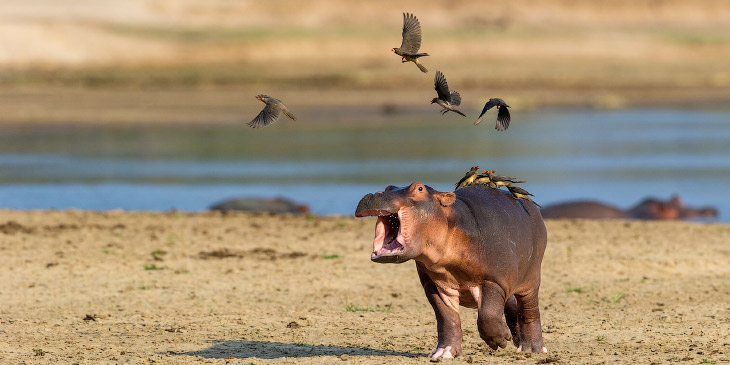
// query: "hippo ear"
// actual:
[[445, 199], [391, 187]]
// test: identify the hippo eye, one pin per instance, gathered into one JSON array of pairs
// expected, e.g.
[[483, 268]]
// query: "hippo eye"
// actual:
[[420, 188]]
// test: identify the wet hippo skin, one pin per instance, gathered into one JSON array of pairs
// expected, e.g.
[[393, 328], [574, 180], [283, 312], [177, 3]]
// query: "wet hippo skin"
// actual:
[[477, 247]]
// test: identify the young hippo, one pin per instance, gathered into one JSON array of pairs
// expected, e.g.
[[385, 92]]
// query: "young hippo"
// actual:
[[478, 247]]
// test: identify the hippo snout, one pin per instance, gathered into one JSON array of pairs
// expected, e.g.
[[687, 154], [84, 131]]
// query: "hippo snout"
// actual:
[[378, 204]]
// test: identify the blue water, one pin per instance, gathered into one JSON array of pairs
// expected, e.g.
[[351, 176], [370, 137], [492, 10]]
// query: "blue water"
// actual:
[[618, 157]]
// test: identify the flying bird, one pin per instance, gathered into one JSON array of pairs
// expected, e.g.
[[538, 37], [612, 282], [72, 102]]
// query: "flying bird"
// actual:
[[447, 100], [271, 112], [503, 117], [468, 178], [521, 193], [408, 50]]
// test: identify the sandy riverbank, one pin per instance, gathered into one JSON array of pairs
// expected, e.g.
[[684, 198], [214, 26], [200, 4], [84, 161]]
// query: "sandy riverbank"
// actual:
[[92, 287]]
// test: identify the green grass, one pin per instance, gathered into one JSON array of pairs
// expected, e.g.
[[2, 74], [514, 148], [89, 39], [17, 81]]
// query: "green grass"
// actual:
[[616, 297], [330, 256], [158, 253], [575, 290], [707, 361], [151, 267], [600, 338], [356, 308], [143, 287]]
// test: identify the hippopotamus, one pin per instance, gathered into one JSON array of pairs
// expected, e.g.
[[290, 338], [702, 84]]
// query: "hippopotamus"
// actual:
[[250, 204], [477, 247], [648, 209]]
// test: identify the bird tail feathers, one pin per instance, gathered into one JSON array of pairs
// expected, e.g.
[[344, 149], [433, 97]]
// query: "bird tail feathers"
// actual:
[[290, 115], [420, 66]]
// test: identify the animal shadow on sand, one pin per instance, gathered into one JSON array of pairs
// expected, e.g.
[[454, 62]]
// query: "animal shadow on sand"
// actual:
[[276, 350]]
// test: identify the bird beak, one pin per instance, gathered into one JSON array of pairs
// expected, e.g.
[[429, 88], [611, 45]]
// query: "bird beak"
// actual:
[[431, 101]]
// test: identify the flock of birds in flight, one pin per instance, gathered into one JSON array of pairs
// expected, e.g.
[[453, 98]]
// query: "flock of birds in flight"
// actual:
[[408, 51], [448, 100]]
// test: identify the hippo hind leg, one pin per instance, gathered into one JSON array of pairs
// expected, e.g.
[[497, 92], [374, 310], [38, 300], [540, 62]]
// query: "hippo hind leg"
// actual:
[[511, 315], [528, 317]]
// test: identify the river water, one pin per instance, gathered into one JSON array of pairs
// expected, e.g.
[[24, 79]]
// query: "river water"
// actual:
[[618, 157]]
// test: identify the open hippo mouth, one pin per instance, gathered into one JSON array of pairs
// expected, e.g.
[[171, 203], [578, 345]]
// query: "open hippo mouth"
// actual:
[[390, 242]]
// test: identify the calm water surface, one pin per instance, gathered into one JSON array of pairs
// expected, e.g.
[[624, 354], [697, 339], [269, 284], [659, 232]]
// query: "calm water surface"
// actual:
[[619, 157]]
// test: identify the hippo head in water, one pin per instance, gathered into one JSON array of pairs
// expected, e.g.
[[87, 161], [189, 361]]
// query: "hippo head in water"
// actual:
[[409, 219]]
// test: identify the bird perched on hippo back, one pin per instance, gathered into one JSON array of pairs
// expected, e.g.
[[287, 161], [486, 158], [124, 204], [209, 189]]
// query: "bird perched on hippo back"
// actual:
[[520, 193], [503, 117], [447, 100], [499, 180], [468, 178], [271, 112], [475, 247], [411, 43]]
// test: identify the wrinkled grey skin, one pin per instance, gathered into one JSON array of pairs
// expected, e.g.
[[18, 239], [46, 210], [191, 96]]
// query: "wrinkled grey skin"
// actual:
[[476, 247]]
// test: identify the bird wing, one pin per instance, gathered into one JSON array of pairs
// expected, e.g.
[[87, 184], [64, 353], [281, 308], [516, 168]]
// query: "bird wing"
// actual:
[[269, 114], [411, 34], [442, 88], [455, 98], [503, 118]]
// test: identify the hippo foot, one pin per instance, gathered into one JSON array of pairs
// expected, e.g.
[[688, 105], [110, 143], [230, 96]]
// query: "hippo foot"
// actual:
[[531, 338], [533, 348], [495, 333], [445, 352]]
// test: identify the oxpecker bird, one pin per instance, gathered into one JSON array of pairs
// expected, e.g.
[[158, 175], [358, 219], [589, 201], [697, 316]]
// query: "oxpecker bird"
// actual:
[[411, 43], [521, 193], [503, 117], [468, 178], [447, 100], [271, 112]]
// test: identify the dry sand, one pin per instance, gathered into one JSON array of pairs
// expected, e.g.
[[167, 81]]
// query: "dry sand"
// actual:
[[106, 287]]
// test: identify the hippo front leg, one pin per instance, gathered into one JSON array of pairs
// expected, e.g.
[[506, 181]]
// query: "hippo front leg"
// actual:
[[448, 322], [492, 327]]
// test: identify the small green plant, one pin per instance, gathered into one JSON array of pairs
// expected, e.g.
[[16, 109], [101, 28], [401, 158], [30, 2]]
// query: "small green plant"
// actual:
[[355, 308], [158, 253], [616, 297], [106, 251], [143, 287], [330, 256], [342, 224], [151, 267], [575, 290], [600, 338], [707, 361]]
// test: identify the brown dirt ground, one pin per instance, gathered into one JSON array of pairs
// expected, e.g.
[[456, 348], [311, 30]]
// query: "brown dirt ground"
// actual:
[[105, 287]]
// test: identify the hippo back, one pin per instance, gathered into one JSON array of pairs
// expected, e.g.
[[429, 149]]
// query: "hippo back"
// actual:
[[583, 209]]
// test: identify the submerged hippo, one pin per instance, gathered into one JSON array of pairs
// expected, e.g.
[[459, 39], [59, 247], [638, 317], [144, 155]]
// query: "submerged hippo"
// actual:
[[478, 247], [650, 209], [250, 204]]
